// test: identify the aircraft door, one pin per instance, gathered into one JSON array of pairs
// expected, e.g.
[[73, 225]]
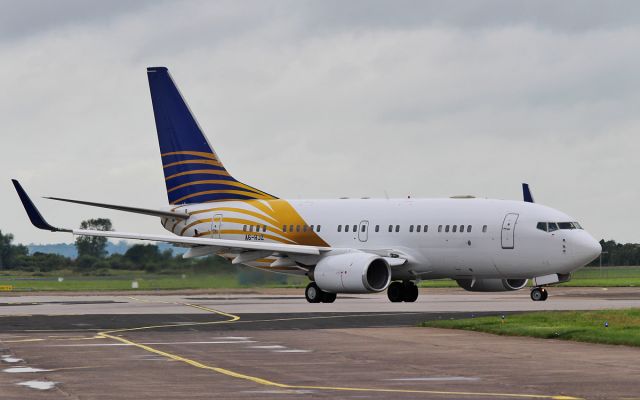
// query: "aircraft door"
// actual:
[[509, 230], [216, 226], [363, 231]]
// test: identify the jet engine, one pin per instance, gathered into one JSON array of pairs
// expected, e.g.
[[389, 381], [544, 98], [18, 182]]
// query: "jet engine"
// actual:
[[352, 273], [492, 285]]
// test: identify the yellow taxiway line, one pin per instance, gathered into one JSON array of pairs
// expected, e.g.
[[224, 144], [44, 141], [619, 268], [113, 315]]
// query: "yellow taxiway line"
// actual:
[[114, 335]]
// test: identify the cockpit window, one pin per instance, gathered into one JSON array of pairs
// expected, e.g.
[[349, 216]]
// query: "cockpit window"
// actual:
[[552, 226]]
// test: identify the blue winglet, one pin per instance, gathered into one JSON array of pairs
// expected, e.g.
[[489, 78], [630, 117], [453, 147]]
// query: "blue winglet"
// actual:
[[34, 215], [526, 193]]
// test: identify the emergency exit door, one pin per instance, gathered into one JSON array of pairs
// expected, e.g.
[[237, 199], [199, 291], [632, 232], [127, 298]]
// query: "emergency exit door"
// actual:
[[216, 226], [363, 231]]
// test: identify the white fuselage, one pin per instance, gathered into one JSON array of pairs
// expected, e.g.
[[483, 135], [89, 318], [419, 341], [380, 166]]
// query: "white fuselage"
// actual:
[[464, 238]]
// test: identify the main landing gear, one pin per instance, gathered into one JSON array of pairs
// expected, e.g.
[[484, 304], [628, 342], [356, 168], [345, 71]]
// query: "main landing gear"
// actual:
[[539, 294], [316, 295], [402, 291]]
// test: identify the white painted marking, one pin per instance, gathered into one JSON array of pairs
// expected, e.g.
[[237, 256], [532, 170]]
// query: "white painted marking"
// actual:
[[40, 385], [9, 359], [437, 378], [17, 370], [271, 347], [292, 351]]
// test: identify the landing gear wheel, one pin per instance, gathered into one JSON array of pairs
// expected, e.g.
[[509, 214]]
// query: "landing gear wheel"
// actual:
[[328, 297], [539, 294], [313, 293], [410, 290], [395, 292]]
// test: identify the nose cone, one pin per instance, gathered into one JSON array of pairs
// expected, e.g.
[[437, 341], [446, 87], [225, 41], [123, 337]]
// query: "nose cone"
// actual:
[[587, 248]]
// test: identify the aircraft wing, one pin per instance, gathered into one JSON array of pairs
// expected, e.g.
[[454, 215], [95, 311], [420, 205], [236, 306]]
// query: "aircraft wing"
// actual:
[[246, 250], [199, 241], [222, 244]]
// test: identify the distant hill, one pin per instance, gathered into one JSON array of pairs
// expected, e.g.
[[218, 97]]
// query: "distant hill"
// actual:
[[69, 249]]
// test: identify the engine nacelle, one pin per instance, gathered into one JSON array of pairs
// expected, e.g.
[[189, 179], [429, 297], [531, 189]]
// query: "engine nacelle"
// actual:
[[352, 273], [492, 285]]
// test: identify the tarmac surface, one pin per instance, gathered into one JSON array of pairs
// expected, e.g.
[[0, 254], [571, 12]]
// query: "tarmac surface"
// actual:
[[273, 344]]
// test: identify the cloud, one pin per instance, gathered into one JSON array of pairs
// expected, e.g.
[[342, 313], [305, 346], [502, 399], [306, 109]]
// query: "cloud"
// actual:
[[328, 99]]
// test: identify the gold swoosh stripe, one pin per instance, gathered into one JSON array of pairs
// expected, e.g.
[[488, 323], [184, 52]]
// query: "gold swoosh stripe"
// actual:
[[209, 162], [220, 172], [191, 153], [239, 192], [265, 218], [232, 220], [216, 182]]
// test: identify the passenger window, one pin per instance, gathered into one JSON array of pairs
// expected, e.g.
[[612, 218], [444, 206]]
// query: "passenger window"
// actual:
[[244, 228], [318, 228], [390, 228], [250, 228], [339, 228], [542, 226], [346, 228], [364, 228], [284, 228], [297, 228], [397, 228], [290, 228], [468, 228], [461, 228], [552, 226], [264, 228], [439, 228], [355, 228], [426, 228], [304, 228], [446, 228], [410, 228], [377, 228], [455, 227], [484, 229], [417, 228], [311, 228]]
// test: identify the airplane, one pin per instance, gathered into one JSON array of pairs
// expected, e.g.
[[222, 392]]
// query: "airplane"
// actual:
[[345, 245]]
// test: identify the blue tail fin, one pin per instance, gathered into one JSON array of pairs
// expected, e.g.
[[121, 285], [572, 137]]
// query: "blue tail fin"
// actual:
[[192, 170]]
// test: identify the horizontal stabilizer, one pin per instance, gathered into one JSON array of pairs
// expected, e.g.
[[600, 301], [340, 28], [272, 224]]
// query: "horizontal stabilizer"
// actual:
[[136, 210], [34, 215]]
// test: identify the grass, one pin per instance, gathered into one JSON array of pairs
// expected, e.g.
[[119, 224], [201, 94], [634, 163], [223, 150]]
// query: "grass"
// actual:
[[586, 277], [582, 326], [122, 280]]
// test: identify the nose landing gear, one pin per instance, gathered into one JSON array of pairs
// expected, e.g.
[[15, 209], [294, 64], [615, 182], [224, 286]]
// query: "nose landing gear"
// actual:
[[539, 294]]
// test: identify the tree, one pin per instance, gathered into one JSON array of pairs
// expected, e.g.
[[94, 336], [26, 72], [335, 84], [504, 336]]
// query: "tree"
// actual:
[[9, 252], [93, 246]]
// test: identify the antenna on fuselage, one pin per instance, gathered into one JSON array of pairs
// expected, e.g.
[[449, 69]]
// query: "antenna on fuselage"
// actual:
[[526, 193]]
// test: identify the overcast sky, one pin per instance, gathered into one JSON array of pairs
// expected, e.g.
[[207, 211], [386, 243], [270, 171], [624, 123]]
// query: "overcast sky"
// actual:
[[325, 99]]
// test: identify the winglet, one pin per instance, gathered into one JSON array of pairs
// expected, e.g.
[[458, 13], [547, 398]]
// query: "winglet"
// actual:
[[526, 193], [34, 215]]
